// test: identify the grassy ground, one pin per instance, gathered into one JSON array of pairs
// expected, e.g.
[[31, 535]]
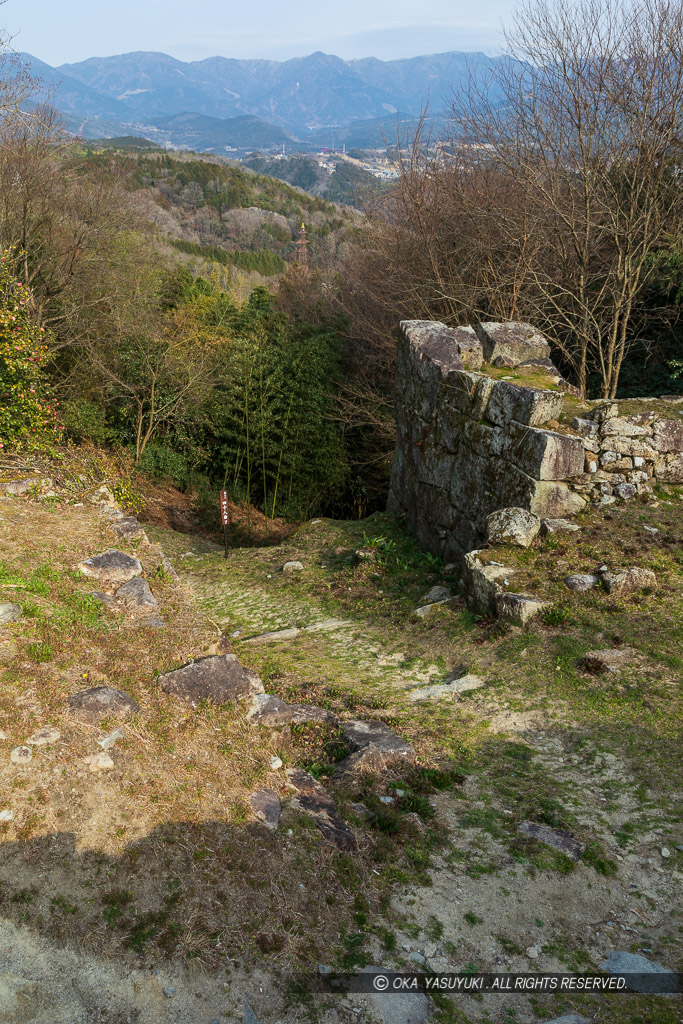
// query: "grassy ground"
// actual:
[[157, 859]]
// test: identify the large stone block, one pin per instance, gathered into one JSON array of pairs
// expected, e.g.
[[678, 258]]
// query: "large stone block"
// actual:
[[668, 436], [469, 346], [545, 454], [463, 392], [509, 344], [528, 406], [481, 582]]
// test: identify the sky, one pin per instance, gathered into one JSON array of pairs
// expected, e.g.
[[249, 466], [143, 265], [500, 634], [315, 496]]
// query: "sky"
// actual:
[[72, 30]]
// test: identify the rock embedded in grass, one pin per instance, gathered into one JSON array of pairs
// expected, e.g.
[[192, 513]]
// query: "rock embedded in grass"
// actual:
[[266, 806], [550, 526], [101, 702], [291, 567], [461, 685], [316, 801], [625, 581], [136, 593], [43, 737], [555, 837], [101, 762], [375, 746], [21, 755], [219, 678], [9, 613], [128, 527], [610, 660], [581, 581], [112, 566]]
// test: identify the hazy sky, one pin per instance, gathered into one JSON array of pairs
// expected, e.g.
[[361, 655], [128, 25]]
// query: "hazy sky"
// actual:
[[71, 30]]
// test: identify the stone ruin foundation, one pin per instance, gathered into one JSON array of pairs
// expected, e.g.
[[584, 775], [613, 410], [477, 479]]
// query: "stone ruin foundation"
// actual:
[[485, 421]]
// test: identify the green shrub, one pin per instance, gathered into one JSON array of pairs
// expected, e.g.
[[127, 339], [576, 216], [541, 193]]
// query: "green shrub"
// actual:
[[28, 415]]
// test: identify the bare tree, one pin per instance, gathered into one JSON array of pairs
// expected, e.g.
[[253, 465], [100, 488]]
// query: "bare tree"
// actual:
[[586, 123]]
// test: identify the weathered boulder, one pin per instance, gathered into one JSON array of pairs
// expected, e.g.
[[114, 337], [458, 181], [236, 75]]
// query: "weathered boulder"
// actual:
[[291, 567], [625, 581], [582, 581], [136, 593], [509, 344], [609, 660], [112, 567], [545, 454], [469, 347], [128, 527], [220, 678], [529, 406], [436, 594], [269, 711], [625, 491], [481, 582], [375, 746], [101, 702], [434, 343], [513, 526], [101, 762], [316, 801], [622, 427], [266, 806], [9, 613]]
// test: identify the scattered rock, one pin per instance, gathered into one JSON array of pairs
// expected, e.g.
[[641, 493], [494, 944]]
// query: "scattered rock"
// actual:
[[435, 595], [150, 622], [665, 852], [316, 801], [612, 660], [108, 741], [168, 568], [643, 972], [387, 800], [136, 593], [533, 952], [651, 529], [43, 737], [7, 815], [249, 1015], [24, 485], [265, 803], [517, 609], [468, 682], [364, 555], [99, 762], [101, 702], [550, 526], [107, 599], [375, 747], [362, 812], [624, 581], [417, 958], [219, 678], [555, 837], [21, 755], [513, 526], [275, 763], [128, 527], [290, 567], [169, 991], [113, 566], [582, 581], [428, 609], [268, 710], [102, 496], [9, 613], [400, 1007], [413, 819]]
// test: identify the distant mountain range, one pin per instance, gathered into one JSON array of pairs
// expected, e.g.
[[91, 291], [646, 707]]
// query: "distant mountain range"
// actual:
[[220, 102]]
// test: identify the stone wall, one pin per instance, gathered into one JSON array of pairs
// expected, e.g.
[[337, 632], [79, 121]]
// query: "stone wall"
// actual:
[[469, 441]]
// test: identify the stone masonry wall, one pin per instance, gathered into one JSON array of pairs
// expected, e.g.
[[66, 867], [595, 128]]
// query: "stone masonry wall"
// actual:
[[469, 444]]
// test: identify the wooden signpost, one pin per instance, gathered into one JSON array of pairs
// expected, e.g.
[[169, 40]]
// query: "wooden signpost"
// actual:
[[225, 517]]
